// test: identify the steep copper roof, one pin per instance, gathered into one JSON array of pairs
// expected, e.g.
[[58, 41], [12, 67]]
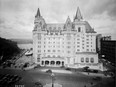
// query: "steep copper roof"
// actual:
[[89, 29], [38, 13], [78, 14]]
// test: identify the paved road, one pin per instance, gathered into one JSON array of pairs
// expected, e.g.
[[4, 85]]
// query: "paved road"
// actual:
[[66, 80]]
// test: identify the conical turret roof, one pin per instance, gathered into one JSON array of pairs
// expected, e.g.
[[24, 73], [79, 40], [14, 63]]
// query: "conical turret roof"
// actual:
[[38, 13], [78, 15], [68, 20]]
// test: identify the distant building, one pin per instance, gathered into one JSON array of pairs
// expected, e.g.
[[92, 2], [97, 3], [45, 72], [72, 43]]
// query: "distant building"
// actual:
[[98, 43], [108, 49], [69, 44]]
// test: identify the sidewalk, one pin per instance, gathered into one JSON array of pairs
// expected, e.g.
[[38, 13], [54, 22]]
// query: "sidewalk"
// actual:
[[57, 71], [55, 85], [94, 74]]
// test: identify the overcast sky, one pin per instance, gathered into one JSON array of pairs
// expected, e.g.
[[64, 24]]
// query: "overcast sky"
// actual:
[[17, 16]]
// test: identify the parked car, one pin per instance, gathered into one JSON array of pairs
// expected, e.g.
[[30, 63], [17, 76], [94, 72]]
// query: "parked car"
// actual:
[[38, 84], [49, 71], [97, 78], [37, 66], [68, 69]]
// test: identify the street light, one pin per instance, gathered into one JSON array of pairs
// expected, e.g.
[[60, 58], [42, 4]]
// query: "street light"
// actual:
[[52, 75]]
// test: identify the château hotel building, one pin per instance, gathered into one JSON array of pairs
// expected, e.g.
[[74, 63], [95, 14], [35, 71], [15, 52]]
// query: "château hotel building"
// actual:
[[69, 44]]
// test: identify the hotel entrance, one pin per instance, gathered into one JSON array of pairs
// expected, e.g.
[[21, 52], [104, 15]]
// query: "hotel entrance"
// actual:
[[52, 63]]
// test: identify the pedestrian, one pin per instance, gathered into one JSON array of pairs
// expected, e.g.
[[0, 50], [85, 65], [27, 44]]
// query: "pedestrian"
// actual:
[[88, 73], [91, 83]]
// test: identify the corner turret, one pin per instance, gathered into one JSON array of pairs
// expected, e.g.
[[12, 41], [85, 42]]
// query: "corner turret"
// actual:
[[39, 22], [38, 13]]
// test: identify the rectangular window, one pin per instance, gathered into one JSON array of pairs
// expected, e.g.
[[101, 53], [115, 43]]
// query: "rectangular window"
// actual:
[[87, 39], [79, 29], [68, 42], [78, 50], [92, 60], [58, 55], [78, 39], [58, 50], [39, 38], [78, 35], [39, 46], [87, 45], [53, 55], [68, 46], [51, 33], [87, 60], [78, 42], [39, 42], [68, 51], [54, 51], [87, 42], [39, 50], [82, 59], [87, 49], [48, 55], [78, 46], [38, 59], [48, 50]]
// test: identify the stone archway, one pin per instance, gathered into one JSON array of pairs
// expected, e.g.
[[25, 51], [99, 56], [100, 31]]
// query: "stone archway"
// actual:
[[46, 62], [58, 62], [52, 62]]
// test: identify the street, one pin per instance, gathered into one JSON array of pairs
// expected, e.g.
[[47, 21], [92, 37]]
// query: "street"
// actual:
[[66, 80]]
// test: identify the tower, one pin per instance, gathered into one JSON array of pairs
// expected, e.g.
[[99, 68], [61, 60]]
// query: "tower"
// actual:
[[39, 22]]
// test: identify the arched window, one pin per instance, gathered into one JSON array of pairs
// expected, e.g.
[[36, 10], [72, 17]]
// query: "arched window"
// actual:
[[92, 60], [82, 59], [87, 60], [58, 63], [52, 62], [46, 62]]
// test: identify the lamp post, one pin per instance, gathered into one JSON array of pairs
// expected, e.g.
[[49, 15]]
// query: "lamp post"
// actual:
[[52, 75]]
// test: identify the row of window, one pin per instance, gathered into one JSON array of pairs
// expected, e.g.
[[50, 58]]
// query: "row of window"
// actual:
[[39, 38], [56, 46], [53, 38], [67, 47], [62, 42], [53, 50], [88, 50], [87, 60], [53, 56]]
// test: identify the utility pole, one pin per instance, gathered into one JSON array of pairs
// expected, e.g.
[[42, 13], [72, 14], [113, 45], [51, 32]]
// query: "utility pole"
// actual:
[[52, 75]]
